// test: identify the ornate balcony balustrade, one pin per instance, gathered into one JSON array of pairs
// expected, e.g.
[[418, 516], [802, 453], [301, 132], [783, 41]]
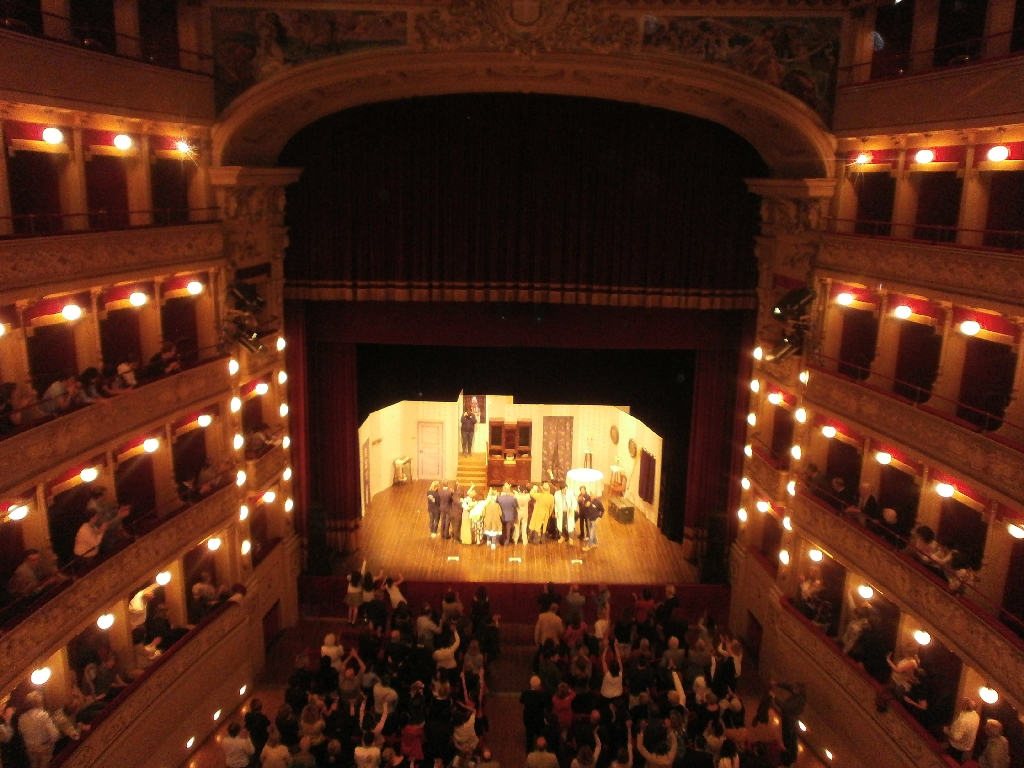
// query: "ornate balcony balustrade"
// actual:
[[976, 637], [53, 624], [267, 468], [968, 454], [58, 262]]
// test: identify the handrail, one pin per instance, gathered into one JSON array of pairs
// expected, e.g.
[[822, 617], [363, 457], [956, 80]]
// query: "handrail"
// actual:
[[973, 48], [1009, 625], [42, 224], [774, 458], [79, 567], [1012, 239], [31, 416], [88, 38], [818, 362], [65, 754], [879, 689]]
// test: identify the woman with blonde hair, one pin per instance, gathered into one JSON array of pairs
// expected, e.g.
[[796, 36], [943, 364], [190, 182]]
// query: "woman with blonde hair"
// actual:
[[312, 723], [275, 754]]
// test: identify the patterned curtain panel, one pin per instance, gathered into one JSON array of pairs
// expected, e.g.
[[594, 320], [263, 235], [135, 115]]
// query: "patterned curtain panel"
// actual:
[[557, 457]]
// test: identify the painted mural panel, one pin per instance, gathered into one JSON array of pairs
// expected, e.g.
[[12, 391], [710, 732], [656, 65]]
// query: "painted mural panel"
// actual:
[[251, 45], [798, 55]]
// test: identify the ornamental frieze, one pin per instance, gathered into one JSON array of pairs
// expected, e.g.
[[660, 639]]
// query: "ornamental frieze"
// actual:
[[960, 629], [842, 677], [988, 462], [956, 269], [90, 430], [35, 262], [41, 633]]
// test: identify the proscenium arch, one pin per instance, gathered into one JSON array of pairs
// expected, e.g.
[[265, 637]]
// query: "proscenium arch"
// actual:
[[787, 133]]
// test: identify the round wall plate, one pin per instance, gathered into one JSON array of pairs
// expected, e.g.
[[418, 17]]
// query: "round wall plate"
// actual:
[[632, 448], [615, 435]]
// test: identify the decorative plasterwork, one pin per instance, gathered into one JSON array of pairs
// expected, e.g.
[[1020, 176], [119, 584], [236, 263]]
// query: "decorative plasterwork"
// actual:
[[788, 134], [89, 431], [968, 635], [957, 270], [267, 468], [766, 476], [50, 627], [902, 738], [989, 463], [35, 266]]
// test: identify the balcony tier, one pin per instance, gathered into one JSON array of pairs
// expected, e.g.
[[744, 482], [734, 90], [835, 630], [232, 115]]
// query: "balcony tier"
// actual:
[[987, 93], [44, 449], [979, 640], [972, 456], [35, 266], [56, 622], [266, 469], [953, 269], [47, 72]]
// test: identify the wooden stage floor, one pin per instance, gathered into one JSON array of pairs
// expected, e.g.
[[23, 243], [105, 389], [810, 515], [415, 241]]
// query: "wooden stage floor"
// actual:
[[395, 535]]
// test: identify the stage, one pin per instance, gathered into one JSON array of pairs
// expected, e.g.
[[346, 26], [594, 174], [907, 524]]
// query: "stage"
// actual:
[[395, 536]]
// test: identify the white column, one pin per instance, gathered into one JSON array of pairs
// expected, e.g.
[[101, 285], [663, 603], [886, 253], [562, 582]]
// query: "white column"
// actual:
[[140, 185], [73, 197]]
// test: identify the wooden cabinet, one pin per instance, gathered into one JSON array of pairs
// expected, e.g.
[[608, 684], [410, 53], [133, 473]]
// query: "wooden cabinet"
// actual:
[[509, 452]]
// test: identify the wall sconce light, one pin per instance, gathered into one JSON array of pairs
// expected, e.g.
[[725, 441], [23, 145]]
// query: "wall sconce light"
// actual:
[[998, 153], [232, 366], [213, 544], [883, 457], [745, 483], [240, 477], [865, 591], [903, 312], [844, 299], [53, 135], [71, 312], [921, 637], [924, 156], [829, 431], [123, 142], [970, 327], [238, 442], [741, 513], [204, 420], [194, 288], [815, 555], [758, 353], [150, 444], [106, 621], [40, 676], [945, 490], [163, 578]]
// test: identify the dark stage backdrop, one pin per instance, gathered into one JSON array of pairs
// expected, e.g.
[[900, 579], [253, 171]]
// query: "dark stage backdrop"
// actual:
[[540, 195]]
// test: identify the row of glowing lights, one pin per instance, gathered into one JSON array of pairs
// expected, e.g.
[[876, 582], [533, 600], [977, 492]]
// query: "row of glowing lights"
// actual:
[[903, 312], [996, 154], [122, 141], [216, 716], [136, 299]]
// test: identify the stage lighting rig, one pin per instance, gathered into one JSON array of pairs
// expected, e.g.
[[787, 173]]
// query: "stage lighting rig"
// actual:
[[792, 311], [794, 305], [247, 298]]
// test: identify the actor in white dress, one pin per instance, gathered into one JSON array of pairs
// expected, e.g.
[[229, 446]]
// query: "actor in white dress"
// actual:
[[566, 509]]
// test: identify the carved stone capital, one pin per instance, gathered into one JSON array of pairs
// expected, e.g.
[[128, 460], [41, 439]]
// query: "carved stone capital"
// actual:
[[50, 627], [948, 617], [986, 462], [50, 264], [91, 430]]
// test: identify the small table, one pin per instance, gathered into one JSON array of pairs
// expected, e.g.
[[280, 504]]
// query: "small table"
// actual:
[[591, 479]]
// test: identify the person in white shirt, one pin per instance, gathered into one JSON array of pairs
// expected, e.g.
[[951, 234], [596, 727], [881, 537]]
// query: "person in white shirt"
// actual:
[[566, 509], [333, 650], [394, 593], [238, 749], [37, 731], [445, 657], [963, 730], [90, 536]]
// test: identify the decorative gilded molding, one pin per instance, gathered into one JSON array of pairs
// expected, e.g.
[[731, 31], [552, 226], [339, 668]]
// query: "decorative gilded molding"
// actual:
[[988, 463], [267, 468], [902, 738], [40, 265], [50, 627], [89, 431], [771, 479], [958, 270], [960, 629], [136, 705]]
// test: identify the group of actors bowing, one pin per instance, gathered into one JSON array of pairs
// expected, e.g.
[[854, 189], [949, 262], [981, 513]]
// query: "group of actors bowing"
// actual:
[[510, 515]]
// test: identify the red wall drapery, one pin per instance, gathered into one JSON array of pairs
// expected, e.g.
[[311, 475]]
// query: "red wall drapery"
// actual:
[[298, 408]]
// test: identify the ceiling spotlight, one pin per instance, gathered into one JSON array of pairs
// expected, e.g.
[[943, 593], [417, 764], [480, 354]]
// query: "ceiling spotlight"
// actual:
[[1015, 530], [795, 452], [71, 312], [282, 377], [828, 754], [945, 490], [213, 544], [865, 591], [752, 419], [903, 312], [190, 742], [137, 299], [845, 299], [53, 136], [286, 442], [748, 450], [89, 474], [236, 405], [262, 388], [745, 483], [243, 512], [163, 578], [216, 715], [288, 505], [40, 676], [924, 156], [829, 431], [242, 690], [800, 414], [238, 442], [183, 147], [232, 366], [150, 445], [281, 343], [106, 621], [204, 420], [883, 457], [787, 523], [240, 477], [921, 637], [863, 158], [970, 327], [123, 142], [805, 376], [775, 398], [998, 153], [800, 724], [758, 353], [784, 556], [763, 506], [283, 410], [988, 695], [246, 547], [741, 513], [815, 555], [19, 512]]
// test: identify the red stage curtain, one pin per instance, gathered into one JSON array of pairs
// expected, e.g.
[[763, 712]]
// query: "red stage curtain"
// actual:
[[298, 408]]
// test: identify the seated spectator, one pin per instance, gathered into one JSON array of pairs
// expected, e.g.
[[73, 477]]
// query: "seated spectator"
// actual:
[[59, 396], [206, 596], [928, 551], [159, 629], [126, 376], [32, 576], [163, 362], [108, 682], [66, 720], [89, 537]]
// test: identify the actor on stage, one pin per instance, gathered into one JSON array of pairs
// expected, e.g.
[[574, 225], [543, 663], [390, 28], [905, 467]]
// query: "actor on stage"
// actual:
[[543, 503], [509, 513], [444, 495], [434, 507], [468, 422], [595, 511], [492, 519], [582, 505], [565, 512], [520, 532]]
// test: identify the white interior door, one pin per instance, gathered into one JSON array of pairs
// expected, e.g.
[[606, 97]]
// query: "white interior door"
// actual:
[[430, 450]]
